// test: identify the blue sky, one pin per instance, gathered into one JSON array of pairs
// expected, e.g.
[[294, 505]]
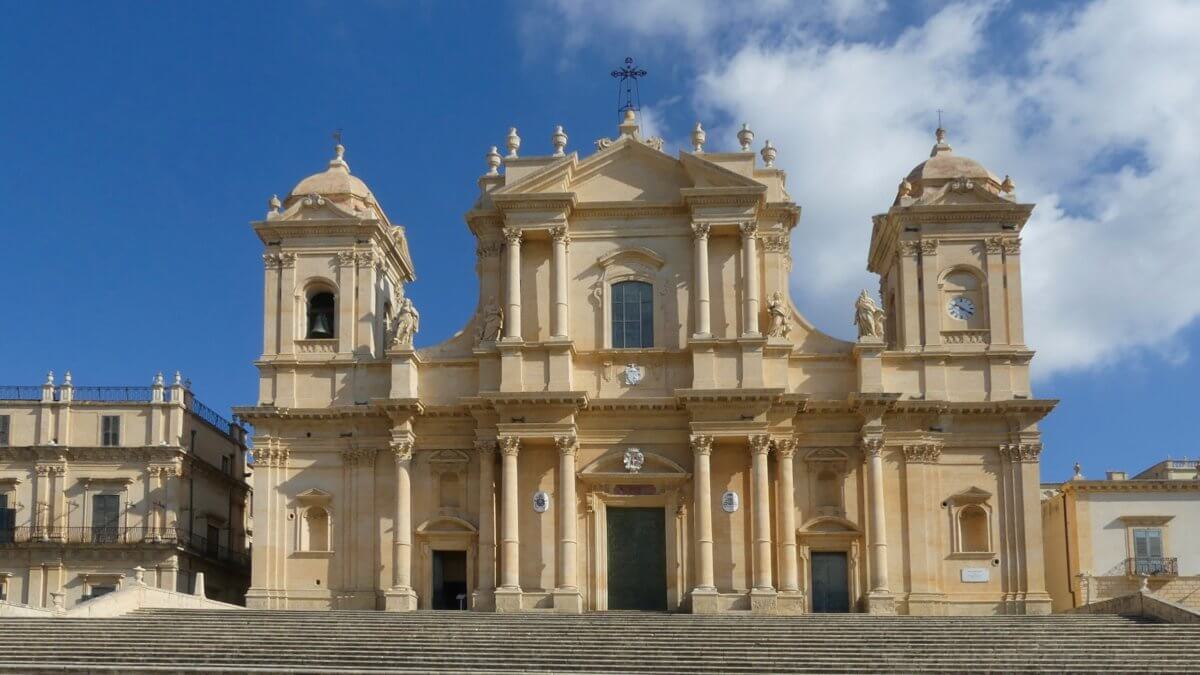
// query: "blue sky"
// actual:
[[141, 139]]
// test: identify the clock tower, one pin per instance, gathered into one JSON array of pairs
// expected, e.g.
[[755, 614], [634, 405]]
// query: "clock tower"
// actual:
[[948, 256]]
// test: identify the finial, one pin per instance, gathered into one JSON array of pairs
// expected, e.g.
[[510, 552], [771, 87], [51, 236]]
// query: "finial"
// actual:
[[559, 140], [178, 378], [49, 377], [493, 161], [768, 154], [698, 138], [1007, 186], [274, 204], [514, 143], [940, 134], [745, 137], [158, 379], [905, 188], [67, 379], [1078, 472]]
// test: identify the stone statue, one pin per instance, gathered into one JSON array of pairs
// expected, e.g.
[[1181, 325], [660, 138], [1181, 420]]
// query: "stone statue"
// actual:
[[780, 326], [868, 316], [408, 322], [492, 322]]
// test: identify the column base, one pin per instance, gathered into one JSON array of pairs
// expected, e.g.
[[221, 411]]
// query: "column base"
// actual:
[[1037, 603], [483, 600], [705, 601], [764, 601], [508, 599], [568, 600], [880, 602], [400, 599], [791, 603]]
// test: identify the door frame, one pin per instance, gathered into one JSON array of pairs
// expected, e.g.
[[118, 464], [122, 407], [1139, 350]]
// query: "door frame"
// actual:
[[443, 533], [675, 544], [850, 604], [832, 534]]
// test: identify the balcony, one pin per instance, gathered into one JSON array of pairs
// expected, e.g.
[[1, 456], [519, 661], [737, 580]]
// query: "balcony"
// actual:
[[100, 536], [1153, 567]]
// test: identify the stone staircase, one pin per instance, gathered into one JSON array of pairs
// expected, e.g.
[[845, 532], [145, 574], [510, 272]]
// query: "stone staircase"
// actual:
[[170, 640]]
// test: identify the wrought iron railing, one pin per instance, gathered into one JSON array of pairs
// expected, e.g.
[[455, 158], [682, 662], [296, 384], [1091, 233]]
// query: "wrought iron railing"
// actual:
[[85, 535], [1155, 567], [208, 414], [22, 393], [112, 394]]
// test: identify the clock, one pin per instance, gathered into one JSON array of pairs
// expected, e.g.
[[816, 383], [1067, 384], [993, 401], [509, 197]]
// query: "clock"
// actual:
[[961, 308]]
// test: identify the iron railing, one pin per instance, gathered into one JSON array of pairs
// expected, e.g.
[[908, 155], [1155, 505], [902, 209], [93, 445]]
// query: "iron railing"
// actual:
[[1152, 566], [112, 394], [22, 393], [208, 414], [126, 535]]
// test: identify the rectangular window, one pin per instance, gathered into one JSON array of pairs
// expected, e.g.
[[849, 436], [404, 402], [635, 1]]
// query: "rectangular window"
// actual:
[[106, 518], [1148, 550], [8, 521], [4, 430], [99, 590], [632, 315], [110, 430]]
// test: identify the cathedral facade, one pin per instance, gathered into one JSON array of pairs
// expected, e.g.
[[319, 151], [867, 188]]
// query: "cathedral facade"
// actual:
[[636, 416]]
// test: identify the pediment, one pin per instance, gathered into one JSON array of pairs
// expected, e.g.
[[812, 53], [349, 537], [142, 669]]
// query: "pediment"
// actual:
[[961, 192], [629, 171], [316, 207], [612, 464], [446, 525], [706, 174], [314, 497], [972, 495], [829, 525], [637, 255], [449, 457]]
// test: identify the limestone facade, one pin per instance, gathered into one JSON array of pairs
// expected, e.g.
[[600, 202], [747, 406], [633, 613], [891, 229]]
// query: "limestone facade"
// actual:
[[634, 352], [1104, 536], [96, 482]]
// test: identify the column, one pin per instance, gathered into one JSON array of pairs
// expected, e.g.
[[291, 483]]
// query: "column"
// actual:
[[879, 597], [567, 597], [704, 595], [1026, 462], [750, 279], [791, 601], [700, 290], [559, 320], [401, 597], [931, 300], [487, 524], [508, 596], [171, 497], [762, 596], [908, 301], [271, 265], [287, 304], [512, 284]]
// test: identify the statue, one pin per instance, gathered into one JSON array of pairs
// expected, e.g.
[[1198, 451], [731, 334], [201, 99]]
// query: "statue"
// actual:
[[408, 322], [492, 322], [868, 316], [780, 327]]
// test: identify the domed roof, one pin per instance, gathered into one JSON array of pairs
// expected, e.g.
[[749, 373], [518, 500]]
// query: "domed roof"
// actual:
[[336, 181], [944, 165]]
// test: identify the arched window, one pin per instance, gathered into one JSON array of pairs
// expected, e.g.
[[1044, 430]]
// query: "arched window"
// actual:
[[316, 520], [632, 315], [973, 529], [320, 316]]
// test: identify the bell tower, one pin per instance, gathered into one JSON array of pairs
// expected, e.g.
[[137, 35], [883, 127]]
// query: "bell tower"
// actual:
[[948, 256], [335, 270]]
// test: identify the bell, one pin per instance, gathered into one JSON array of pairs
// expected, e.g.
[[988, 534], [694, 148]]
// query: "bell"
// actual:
[[320, 326]]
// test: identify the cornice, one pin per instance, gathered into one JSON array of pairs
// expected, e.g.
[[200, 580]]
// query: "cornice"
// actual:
[[654, 403], [1131, 485], [280, 413], [578, 399]]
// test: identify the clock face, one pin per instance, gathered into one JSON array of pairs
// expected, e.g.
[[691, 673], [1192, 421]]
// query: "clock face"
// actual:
[[961, 308]]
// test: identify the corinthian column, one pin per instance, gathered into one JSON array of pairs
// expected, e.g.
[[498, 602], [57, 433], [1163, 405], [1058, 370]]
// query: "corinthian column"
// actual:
[[700, 292], [512, 284], [879, 600], [508, 596], [750, 279], [401, 597], [790, 600], [762, 596], [704, 595], [567, 597], [559, 320], [487, 524]]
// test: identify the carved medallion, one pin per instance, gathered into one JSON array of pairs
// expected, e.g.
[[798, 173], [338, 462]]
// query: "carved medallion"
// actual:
[[634, 459], [541, 501], [730, 502], [632, 374]]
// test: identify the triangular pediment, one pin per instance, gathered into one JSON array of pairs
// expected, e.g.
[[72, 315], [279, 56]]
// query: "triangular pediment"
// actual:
[[629, 171], [706, 174], [613, 463], [961, 192], [315, 207]]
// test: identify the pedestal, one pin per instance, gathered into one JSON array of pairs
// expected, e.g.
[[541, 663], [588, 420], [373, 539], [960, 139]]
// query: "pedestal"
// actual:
[[483, 601], [508, 599], [790, 603], [400, 600], [705, 601], [568, 601], [881, 603], [764, 601]]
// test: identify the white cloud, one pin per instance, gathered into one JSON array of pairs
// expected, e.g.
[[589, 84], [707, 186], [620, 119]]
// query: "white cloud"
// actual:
[[1095, 120]]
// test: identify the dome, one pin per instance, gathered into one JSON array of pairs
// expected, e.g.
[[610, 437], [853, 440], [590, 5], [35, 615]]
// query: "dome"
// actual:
[[943, 165], [336, 181]]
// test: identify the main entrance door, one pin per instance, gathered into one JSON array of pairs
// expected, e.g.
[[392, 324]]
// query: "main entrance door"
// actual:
[[637, 558], [449, 580], [830, 583]]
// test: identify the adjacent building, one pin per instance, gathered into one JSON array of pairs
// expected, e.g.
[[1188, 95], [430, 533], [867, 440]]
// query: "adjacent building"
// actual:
[[635, 415], [97, 481], [1103, 538]]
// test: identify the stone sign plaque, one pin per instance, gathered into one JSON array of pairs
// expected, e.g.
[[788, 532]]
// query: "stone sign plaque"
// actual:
[[975, 575], [730, 502], [541, 501]]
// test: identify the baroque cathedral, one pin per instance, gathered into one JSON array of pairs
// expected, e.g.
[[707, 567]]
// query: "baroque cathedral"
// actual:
[[636, 416]]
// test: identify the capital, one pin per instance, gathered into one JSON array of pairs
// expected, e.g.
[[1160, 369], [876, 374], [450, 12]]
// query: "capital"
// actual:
[[922, 453], [567, 445], [702, 444], [485, 447], [559, 234], [402, 449], [760, 444], [749, 229], [510, 446], [872, 446], [1021, 452], [513, 236], [785, 448], [700, 230]]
